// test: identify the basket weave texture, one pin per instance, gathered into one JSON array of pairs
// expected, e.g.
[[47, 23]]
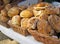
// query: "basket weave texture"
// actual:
[[18, 29], [43, 38]]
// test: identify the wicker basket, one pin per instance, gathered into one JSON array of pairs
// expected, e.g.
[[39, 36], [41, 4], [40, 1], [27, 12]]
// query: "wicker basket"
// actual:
[[43, 38], [18, 29], [4, 24]]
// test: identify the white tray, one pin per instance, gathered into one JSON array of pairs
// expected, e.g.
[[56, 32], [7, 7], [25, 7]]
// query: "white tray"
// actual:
[[18, 37]]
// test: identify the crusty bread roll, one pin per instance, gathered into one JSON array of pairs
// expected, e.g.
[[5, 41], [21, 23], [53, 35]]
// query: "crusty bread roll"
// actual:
[[8, 41], [44, 28], [16, 20], [26, 14], [4, 13], [13, 11], [8, 6], [32, 22], [3, 16], [54, 21], [24, 23], [4, 19]]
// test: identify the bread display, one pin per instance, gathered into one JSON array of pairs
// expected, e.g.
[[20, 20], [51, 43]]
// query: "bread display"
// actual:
[[42, 21], [46, 29]]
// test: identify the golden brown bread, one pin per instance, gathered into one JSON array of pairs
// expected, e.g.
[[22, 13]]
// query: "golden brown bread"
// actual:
[[43, 4], [40, 13], [45, 11], [8, 6], [43, 16], [32, 22], [44, 8], [13, 11], [26, 14], [3, 19], [24, 23], [4, 16], [54, 21], [34, 19], [44, 27], [4, 12], [16, 20]]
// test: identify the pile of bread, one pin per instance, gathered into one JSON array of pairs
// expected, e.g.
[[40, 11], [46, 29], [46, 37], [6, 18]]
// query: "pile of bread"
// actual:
[[42, 17]]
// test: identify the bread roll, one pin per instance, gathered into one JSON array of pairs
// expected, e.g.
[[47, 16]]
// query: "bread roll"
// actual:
[[26, 14], [44, 28], [8, 6], [13, 11], [32, 22], [3, 13], [24, 22], [16, 20]]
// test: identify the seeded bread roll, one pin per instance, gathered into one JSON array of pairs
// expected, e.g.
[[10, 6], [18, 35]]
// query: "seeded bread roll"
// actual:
[[16, 20]]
